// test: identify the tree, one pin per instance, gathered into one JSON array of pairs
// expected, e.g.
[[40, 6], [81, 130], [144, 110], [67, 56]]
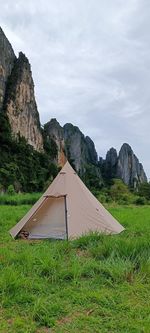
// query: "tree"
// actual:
[[11, 190], [119, 191], [144, 190]]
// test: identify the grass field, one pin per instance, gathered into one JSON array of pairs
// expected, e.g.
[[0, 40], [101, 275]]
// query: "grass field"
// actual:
[[94, 284]]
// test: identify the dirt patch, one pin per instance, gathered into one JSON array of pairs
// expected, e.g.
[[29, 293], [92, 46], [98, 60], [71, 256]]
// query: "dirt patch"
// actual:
[[82, 253], [68, 319], [44, 330], [73, 316]]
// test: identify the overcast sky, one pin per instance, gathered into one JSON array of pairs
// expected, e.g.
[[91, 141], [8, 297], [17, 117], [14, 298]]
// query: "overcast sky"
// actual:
[[91, 65]]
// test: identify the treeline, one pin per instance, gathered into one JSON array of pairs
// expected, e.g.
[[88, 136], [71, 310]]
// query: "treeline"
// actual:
[[120, 193], [114, 190]]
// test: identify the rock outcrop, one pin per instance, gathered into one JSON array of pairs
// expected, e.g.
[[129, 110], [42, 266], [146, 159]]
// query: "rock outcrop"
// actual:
[[128, 167], [7, 59], [125, 166], [20, 105], [74, 146], [79, 149], [111, 163], [17, 98], [54, 131]]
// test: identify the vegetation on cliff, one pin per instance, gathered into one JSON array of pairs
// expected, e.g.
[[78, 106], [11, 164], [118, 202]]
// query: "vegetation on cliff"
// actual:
[[20, 165]]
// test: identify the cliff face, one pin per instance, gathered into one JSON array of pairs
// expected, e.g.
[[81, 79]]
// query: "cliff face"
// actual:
[[111, 163], [125, 166], [7, 58], [73, 145], [128, 167], [20, 104], [91, 151], [54, 131], [79, 149], [81, 152], [17, 98]]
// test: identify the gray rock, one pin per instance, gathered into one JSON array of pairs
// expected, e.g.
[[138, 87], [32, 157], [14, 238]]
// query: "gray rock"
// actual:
[[74, 146], [128, 167], [92, 154], [54, 131], [20, 104], [7, 59], [111, 157], [111, 162], [79, 149], [125, 166]]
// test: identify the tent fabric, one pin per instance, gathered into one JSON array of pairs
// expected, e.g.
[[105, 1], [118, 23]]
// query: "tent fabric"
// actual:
[[67, 210]]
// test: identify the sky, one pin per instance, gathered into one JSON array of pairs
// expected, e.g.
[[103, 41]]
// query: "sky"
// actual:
[[90, 61]]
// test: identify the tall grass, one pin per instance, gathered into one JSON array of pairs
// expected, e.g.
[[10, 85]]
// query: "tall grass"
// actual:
[[19, 199], [96, 283]]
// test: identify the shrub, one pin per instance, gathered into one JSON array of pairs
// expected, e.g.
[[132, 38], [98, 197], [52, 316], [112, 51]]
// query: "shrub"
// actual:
[[1, 189], [140, 201], [144, 190], [11, 190]]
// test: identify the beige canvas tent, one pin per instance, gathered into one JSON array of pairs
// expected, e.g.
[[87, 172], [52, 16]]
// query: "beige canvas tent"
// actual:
[[66, 210]]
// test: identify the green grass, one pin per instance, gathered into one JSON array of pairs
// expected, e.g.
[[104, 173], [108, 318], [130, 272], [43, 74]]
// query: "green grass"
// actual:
[[19, 199], [94, 284]]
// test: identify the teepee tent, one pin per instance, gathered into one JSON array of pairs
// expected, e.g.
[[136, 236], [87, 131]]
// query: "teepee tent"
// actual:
[[66, 210]]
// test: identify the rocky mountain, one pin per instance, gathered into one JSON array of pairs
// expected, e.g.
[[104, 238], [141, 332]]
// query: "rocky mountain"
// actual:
[[74, 146], [109, 165], [7, 59], [125, 166], [129, 169], [53, 131], [79, 148], [17, 95], [19, 118], [80, 151]]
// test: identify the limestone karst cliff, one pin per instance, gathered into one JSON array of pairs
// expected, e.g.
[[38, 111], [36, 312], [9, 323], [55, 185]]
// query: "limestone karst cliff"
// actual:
[[20, 104], [7, 58], [125, 166], [109, 164], [78, 147], [17, 97], [53, 131], [80, 151], [72, 143], [129, 169]]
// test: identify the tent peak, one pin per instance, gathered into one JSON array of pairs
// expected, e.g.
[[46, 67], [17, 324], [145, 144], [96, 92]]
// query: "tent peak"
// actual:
[[66, 168]]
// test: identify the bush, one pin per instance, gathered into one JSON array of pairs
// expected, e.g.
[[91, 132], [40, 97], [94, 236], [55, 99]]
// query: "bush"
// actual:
[[140, 201], [1, 189], [11, 190], [118, 190], [144, 190]]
